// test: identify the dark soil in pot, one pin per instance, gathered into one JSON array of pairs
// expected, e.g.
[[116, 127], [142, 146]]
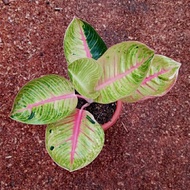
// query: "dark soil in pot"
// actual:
[[101, 112]]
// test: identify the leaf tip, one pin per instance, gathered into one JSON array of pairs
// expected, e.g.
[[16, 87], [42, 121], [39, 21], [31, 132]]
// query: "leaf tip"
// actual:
[[75, 18]]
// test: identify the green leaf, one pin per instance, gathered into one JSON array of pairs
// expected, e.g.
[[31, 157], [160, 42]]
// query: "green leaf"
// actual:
[[44, 100], [84, 74], [160, 79], [125, 66], [81, 41], [75, 141]]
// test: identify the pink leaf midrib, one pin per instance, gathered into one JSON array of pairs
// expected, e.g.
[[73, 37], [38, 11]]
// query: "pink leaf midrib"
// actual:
[[86, 48], [117, 77], [149, 78], [49, 100], [75, 134]]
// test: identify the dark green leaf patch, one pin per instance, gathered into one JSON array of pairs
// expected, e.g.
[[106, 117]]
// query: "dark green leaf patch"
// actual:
[[51, 147], [90, 119], [95, 43], [31, 115]]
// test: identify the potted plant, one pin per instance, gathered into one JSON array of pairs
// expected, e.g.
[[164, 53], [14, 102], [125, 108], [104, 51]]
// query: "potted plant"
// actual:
[[126, 72]]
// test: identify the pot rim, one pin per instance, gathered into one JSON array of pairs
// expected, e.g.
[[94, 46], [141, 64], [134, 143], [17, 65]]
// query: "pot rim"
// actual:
[[114, 117]]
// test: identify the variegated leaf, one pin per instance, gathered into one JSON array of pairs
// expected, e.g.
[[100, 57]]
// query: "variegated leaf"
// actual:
[[160, 79], [84, 74], [125, 66], [75, 141], [44, 100], [81, 41]]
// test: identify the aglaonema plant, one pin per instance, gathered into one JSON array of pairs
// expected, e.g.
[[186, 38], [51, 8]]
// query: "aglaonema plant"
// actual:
[[128, 72]]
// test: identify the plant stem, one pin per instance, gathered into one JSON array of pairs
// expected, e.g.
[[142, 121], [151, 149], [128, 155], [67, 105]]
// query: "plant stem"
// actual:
[[85, 105], [86, 99]]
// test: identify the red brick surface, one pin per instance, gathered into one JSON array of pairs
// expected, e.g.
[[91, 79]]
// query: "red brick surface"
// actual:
[[148, 148]]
